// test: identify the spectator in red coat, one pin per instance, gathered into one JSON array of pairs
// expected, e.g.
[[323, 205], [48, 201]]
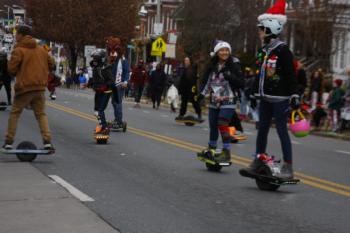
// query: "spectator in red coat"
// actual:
[[139, 79]]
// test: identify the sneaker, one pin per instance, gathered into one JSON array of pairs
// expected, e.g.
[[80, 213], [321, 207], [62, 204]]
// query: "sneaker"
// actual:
[[252, 168], [7, 146], [48, 146], [224, 156], [200, 119], [286, 172], [208, 153]]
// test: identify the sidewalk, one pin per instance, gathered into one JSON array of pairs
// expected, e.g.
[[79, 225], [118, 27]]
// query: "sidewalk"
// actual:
[[31, 203]]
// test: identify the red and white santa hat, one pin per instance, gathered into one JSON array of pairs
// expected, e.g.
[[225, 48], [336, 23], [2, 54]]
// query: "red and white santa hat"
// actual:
[[277, 11]]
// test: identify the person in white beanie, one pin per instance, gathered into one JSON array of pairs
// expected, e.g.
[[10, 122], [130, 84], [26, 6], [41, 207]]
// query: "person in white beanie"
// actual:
[[222, 79], [276, 87]]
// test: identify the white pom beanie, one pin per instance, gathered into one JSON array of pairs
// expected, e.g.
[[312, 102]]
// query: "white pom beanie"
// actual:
[[221, 45]]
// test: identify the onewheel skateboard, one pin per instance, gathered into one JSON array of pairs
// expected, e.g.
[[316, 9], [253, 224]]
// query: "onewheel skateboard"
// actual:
[[27, 152], [208, 157], [265, 177], [189, 121], [113, 126]]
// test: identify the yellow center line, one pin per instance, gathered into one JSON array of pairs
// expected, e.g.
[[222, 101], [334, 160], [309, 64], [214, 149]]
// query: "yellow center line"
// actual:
[[306, 179]]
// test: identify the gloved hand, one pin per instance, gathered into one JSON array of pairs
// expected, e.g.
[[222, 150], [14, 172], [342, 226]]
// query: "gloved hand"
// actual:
[[295, 102]]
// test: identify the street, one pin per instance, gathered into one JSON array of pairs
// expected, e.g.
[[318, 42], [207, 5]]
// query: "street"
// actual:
[[149, 180]]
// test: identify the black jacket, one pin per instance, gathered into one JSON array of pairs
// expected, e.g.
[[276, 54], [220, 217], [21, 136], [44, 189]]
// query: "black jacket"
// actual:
[[188, 79], [277, 81], [232, 72], [5, 77], [102, 79], [157, 81]]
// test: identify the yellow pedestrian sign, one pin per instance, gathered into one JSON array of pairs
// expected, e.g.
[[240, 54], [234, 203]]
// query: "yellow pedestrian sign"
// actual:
[[158, 47]]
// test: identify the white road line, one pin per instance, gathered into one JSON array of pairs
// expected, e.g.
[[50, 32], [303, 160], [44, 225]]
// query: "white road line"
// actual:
[[296, 143], [147, 112], [165, 116], [71, 189], [343, 152], [248, 133]]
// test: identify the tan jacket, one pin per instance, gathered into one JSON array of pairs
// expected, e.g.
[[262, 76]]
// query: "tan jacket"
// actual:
[[30, 63]]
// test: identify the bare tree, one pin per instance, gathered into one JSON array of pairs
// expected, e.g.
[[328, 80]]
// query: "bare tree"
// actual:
[[80, 22], [231, 20]]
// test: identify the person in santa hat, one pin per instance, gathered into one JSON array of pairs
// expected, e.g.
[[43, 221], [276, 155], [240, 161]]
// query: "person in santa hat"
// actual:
[[222, 79], [276, 87]]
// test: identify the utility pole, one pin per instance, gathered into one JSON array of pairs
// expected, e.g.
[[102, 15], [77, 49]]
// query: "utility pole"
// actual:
[[159, 59], [159, 11]]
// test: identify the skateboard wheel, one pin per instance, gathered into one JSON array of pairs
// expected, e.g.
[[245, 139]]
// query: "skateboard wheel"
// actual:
[[213, 168], [102, 141], [26, 157], [265, 186]]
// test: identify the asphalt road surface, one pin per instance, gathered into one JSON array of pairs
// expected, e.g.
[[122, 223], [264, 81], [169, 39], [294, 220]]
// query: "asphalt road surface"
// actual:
[[149, 180]]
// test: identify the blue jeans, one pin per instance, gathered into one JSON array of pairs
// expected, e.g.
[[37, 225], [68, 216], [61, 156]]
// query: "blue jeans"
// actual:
[[278, 111], [219, 120], [117, 102]]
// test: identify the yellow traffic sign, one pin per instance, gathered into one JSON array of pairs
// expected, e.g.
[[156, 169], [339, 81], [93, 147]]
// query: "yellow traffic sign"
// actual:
[[158, 47]]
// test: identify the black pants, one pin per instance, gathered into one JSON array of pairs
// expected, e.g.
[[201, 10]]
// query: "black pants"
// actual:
[[279, 112], [236, 122], [184, 101], [101, 102], [8, 90], [138, 93], [157, 97]]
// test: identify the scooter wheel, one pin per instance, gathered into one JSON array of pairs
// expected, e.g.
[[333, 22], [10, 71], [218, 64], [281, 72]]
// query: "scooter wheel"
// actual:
[[102, 141], [26, 157], [213, 168], [265, 186]]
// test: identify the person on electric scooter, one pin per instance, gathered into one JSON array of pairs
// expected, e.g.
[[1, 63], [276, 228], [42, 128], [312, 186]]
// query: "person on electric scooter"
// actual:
[[277, 88], [188, 90], [101, 82], [30, 64], [221, 79], [120, 75]]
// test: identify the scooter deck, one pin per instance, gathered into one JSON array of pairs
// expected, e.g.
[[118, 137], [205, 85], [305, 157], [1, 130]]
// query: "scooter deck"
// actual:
[[187, 122], [211, 161], [240, 137], [269, 179], [23, 151]]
